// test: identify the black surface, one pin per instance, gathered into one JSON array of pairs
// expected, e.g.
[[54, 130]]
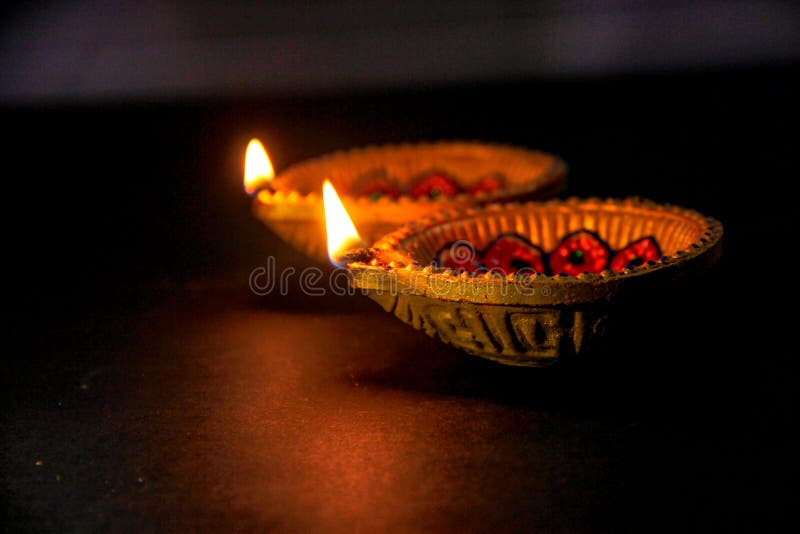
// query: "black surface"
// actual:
[[145, 387]]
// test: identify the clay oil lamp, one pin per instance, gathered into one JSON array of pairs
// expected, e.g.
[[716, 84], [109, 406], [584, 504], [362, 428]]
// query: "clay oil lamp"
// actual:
[[383, 187], [529, 283]]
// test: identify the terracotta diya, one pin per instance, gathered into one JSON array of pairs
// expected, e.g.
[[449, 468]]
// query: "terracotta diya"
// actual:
[[530, 284], [382, 187]]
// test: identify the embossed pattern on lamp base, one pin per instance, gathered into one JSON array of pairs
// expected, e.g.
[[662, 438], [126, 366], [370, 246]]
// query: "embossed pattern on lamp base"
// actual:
[[513, 335]]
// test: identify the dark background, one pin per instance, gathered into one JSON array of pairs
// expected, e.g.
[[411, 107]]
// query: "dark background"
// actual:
[[145, 387]]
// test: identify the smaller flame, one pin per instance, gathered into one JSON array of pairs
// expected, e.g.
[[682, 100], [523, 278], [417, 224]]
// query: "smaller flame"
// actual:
[[257, 167], [342, 234]]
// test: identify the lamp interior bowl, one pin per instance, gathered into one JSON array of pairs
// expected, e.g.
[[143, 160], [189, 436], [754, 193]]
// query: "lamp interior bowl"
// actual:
[[465, 162], [616, 224]]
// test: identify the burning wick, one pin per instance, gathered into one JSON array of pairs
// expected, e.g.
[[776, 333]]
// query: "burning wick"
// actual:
[[342, 234], [345, 246], [258, 172]]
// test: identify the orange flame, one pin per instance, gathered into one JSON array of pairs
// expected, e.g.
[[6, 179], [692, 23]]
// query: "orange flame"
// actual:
[[257, 167], [342, 234]]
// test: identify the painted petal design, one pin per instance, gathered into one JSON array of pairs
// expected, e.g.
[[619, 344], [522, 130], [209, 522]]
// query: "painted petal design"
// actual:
[[511, 253], [435, 185], [638, 252], [580, 252]]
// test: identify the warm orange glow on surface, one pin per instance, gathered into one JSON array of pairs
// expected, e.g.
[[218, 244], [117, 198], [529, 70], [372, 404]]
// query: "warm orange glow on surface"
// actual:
[[342, 234], [257, 167]]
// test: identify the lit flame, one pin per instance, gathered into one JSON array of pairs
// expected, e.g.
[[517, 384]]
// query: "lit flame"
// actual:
[[257, 167], [342, 234]]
